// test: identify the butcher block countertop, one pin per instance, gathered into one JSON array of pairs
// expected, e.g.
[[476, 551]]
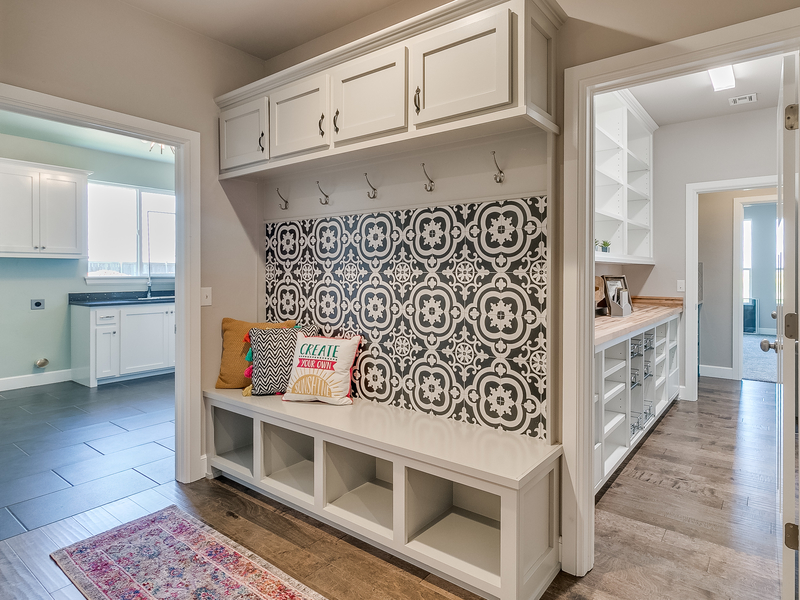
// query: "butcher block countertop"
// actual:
[[647, 310]]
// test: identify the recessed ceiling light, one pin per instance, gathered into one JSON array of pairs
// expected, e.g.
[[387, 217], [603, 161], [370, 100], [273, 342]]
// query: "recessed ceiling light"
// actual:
[[722, 78]]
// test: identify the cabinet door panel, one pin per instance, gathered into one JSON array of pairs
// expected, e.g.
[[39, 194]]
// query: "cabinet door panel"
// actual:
[[244, 134], [143, 341], [465, 68], [106, 352], [369, 95], [61, 218], [19, 207], [298, 119]]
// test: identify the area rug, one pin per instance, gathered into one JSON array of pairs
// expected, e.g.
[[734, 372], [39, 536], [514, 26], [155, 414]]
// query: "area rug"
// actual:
[[172, 556]]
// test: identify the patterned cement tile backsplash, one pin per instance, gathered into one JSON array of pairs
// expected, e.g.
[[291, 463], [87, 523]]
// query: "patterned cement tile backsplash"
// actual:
[[451, 302]]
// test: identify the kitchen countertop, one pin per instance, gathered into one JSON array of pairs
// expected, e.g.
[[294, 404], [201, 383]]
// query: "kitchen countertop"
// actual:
[[121, 298], [645, 312]]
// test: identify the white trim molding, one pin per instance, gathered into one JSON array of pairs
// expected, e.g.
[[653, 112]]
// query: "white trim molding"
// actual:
[[761, 37], [188, 390], [43, 378]]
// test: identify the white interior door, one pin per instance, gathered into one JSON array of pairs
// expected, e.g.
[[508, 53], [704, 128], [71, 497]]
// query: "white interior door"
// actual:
[[785, 346]]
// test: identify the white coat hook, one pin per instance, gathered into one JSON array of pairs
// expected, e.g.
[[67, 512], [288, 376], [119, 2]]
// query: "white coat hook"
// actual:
[[374, 193], [327, 198], [430, 185], [285, 204], [499, 177]]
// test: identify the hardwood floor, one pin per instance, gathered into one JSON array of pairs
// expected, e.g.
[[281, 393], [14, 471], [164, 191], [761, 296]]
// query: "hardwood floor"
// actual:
[[691, 515]]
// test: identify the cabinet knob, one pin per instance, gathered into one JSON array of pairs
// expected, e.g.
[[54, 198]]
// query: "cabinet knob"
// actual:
[[36, 247], [42, 247]]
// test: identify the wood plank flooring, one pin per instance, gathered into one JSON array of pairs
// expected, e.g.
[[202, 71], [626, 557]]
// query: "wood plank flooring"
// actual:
[[691, 515]]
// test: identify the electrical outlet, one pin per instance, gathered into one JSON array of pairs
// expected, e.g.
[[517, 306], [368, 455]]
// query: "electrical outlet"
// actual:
[[37, 304], [205, 296], [681, 285]]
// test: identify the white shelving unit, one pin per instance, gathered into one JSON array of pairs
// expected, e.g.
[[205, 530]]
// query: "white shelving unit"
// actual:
[[474, 505], [623, 178], [637, 376]]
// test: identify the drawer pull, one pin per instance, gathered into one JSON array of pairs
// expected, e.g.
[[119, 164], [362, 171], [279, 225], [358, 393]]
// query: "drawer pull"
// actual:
[[322, 117]]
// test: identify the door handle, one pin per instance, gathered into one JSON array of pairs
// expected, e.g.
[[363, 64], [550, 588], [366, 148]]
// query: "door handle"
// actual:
[[260, 145], [416, 101], [774, 314], [766, 346], [322, 117], [335, 124]]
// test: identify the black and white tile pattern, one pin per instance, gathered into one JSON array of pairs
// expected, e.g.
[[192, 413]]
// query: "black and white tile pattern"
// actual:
[[451, 302]]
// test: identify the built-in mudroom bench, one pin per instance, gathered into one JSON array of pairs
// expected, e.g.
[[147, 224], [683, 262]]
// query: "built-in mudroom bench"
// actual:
[[637, 376], [472, 504]]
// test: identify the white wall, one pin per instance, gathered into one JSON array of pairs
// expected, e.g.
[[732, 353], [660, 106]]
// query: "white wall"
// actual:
[[730, 147], [109, 54], [29, 335]]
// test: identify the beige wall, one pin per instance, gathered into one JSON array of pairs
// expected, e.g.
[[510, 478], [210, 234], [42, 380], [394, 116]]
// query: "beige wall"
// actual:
[[715, 251], [108, 54]]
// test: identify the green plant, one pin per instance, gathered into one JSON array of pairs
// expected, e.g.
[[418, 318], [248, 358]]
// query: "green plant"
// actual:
[[606, 244]]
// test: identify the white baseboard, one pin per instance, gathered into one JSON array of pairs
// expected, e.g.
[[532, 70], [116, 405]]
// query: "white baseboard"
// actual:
[[767, 331], [682, 394], [24, 381], [718, 372]]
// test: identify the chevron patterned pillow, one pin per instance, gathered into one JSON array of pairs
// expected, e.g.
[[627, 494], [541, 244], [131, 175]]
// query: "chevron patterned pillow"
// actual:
[[273, 350]]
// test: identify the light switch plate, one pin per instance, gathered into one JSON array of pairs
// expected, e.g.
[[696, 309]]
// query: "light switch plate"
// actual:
[[205, 296], [681, 285]]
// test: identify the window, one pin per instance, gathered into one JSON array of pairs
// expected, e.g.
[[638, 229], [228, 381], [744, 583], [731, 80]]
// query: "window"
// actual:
[[131, 231], [747, 260]]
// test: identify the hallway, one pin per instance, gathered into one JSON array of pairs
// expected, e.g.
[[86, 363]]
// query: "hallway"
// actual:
[[693, 512]]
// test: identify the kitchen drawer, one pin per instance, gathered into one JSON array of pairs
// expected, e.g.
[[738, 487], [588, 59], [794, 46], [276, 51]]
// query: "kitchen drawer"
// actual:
[[106, 316]]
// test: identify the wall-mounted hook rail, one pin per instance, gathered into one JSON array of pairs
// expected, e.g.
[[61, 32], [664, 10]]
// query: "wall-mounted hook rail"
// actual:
[[374, 193], [499, 177], [285, 204], [327, 198], [430, 185]]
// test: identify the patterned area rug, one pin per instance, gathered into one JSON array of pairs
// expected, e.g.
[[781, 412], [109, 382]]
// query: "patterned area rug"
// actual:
[[171, 555]]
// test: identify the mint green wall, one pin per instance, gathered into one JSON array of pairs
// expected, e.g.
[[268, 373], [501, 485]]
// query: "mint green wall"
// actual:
[[27, 335]]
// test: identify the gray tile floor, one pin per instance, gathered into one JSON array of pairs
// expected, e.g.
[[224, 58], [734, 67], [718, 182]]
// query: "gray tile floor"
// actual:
[[66, 449]]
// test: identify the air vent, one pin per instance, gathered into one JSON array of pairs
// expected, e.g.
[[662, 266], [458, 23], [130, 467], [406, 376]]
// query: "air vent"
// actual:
[[743, 99]]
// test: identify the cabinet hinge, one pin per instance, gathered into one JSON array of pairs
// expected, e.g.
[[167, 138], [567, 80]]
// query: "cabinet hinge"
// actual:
[[790, 114], [790, 326], [790, 536]]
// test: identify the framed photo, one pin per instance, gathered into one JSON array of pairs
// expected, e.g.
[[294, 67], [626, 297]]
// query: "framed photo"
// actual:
[[613, 284]]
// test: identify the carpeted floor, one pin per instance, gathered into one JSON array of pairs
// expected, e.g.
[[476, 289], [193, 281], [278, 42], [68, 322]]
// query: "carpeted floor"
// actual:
[[758, 365]]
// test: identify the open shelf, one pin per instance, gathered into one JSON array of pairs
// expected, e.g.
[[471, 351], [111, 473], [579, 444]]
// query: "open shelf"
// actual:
[[288, 461], [358, 488], [611, 389], [614, 456], [612, 366], [453, 523], [233, 441], [660, 381], [612, 420]]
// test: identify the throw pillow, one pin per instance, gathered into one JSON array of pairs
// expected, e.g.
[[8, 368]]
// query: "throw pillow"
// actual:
[[272, 357], [234, 351], [321, 369]]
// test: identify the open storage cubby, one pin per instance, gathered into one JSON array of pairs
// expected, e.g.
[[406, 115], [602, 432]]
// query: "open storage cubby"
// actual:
[[233, 441], [288, 460], [359, 487], [454, 523]]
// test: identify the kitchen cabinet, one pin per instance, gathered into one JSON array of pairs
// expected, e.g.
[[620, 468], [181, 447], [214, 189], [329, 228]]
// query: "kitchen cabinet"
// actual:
[[369, 95], [121, 342], [244, 134], [464, 68], [44, 211], [297, 116]]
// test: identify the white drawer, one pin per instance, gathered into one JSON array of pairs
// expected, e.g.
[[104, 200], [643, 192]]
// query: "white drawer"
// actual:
[[106, 316]]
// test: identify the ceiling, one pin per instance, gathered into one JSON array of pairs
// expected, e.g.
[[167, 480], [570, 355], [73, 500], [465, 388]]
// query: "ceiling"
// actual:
[[691, 97], [262, 28], [71, 135]]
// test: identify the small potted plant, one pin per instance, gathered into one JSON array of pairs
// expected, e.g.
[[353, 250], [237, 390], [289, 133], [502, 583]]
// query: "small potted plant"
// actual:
[[605, 246], [596, 245]]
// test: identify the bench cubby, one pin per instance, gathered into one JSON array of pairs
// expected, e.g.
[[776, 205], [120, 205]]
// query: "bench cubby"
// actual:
[[473, 505]]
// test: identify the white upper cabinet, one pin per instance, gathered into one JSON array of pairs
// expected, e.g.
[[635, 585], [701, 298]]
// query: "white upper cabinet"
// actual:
[[298, 116], [244, 134], [43, 211], [62, 219], [465, 67], [369, 95], [19, 207]]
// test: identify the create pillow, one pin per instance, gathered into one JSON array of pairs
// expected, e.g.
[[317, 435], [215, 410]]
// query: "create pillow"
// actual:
[[321, 369], [272, 357], [234, 350]]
